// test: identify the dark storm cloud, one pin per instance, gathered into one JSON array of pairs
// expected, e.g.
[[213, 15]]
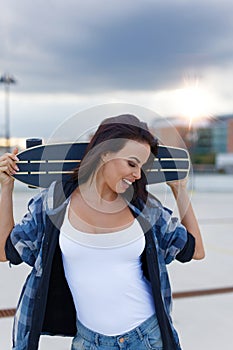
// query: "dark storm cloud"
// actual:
[[137, 45]]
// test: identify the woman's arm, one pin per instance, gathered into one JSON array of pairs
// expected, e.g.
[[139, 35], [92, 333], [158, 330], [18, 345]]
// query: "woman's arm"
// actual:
[[187, 215], [7, 168]]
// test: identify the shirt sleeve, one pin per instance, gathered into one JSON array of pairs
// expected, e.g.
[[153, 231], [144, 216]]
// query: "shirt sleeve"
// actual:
[[173, 238], [187, 252], [25, 239]]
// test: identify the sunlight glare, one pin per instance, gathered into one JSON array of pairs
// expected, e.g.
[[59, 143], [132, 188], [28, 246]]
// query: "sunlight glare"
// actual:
[[192, 102]]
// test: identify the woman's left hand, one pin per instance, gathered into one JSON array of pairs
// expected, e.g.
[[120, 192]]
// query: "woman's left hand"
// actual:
[[178, 185]]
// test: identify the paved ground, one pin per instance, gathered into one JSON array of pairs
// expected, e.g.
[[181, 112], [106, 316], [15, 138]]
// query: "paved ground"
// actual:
[[203, 322]]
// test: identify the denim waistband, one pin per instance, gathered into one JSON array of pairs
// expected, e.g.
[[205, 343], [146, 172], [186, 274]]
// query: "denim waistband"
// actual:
[[100, 339]]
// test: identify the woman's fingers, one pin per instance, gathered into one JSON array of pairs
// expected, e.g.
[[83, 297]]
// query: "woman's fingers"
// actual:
[[15, 151], [8, 163], [7, 170], [11, 156], [178, 183]]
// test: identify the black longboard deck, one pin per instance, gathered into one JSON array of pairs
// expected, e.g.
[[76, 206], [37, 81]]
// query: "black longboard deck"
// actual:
[[39, 166]]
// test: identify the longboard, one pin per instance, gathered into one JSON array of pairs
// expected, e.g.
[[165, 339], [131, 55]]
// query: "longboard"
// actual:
[[40, 165]]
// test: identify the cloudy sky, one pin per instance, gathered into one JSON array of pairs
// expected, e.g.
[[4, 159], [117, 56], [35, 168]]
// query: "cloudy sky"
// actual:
[[71, 55]]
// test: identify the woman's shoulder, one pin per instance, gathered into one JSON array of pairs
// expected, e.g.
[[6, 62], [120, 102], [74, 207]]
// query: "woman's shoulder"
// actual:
[[153, 209], [47, 199], [153, 201]]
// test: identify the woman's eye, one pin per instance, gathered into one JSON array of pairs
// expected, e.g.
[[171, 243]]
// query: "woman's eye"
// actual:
[[132, 164]]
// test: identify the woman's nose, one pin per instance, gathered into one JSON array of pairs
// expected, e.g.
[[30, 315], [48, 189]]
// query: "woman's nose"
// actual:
[[137, 173]]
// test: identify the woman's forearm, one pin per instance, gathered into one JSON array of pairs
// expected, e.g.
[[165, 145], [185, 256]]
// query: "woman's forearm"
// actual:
[[6, 217], [8, 167], [188, 219]]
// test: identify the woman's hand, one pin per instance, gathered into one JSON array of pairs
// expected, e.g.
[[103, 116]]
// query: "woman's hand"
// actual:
[[177, 185], [8, 168]]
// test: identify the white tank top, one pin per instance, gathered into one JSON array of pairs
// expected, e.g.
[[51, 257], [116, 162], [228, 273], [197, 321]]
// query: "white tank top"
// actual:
[[103, 271]]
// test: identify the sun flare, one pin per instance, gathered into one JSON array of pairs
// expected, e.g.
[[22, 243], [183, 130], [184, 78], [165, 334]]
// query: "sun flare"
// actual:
[[192, 102]]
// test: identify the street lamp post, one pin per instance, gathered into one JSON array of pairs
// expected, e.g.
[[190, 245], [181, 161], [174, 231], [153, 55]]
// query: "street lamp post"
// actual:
[[7, 80]]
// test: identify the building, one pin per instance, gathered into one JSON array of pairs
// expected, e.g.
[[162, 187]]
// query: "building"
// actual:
[[230, 136], [205, 140]]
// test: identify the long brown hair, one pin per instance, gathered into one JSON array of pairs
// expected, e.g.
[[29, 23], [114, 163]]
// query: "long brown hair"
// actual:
[[111, 136]]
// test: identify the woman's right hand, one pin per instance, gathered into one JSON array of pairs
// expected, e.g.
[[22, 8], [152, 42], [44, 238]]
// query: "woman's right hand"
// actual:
[[8, 168]]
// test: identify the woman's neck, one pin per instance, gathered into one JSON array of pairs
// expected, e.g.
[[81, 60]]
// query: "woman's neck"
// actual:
[[99, 196]]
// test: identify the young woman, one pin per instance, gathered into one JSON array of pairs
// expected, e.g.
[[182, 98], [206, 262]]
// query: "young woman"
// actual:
[[99, 245]]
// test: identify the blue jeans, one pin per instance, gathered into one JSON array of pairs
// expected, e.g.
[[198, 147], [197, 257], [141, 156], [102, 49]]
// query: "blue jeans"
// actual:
[[144, 337]]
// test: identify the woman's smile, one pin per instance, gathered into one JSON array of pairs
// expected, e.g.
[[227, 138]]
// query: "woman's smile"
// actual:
[[121, 169]]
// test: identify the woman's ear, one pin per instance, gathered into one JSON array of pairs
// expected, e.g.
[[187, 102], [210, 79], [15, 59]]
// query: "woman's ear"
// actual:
[[104, 157]]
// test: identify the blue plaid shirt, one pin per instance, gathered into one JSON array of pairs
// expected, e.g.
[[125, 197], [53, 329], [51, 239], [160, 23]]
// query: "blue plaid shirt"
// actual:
[[25, 245]]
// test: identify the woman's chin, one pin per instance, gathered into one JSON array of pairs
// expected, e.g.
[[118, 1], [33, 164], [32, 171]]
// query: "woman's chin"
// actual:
[[122, 187]]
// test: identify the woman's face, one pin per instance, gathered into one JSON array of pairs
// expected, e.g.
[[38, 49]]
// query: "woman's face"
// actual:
[[122, 168]]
